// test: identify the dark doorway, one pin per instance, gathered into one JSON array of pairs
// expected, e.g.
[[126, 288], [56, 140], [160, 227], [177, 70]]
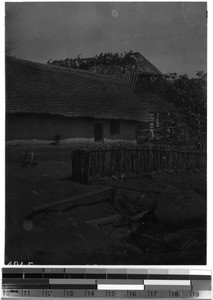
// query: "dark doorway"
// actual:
[[98, 132], [114, 127]]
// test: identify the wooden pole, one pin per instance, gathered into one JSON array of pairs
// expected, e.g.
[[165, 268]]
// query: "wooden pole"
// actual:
[[72, 200]]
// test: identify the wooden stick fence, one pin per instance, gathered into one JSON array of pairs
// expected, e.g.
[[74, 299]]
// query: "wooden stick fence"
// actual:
[[103, 162]]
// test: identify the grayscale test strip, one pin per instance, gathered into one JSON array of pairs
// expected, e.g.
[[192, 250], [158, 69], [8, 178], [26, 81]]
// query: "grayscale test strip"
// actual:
[[123, 283]]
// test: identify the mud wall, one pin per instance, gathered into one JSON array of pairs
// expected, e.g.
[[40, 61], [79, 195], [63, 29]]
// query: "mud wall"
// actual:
[[46, 127]]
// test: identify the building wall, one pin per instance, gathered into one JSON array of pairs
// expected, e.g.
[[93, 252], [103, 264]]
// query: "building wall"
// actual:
[[127, 131], [46, 127]]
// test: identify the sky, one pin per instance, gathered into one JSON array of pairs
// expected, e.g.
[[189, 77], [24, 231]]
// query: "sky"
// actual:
[[171, 35]]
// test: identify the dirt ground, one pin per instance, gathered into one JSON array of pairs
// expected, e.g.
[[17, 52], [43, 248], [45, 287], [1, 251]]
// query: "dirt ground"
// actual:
[[64, 237]]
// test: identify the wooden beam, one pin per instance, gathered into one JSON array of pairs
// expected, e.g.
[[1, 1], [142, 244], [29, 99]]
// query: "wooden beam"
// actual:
[[104, 221], [135, 190], [72, 200], [115, 218], [140, 216]]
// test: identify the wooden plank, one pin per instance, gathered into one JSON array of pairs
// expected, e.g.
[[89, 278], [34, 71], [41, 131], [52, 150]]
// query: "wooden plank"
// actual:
[[135, 190], [115, 218], [104, 221], [72, 200], [140, 216]]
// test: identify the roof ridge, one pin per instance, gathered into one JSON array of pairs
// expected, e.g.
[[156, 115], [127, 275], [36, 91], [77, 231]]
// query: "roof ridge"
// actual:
[[71, 70]]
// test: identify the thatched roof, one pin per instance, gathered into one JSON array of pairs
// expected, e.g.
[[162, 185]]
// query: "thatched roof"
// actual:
[[39, 88], [155, 104]]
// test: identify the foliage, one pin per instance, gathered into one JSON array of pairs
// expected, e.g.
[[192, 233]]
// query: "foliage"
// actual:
[[189, 95]]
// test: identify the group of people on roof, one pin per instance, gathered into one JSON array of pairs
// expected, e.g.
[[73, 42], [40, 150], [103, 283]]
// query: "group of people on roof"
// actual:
[[68, 62], [114, 58], [104, 59]]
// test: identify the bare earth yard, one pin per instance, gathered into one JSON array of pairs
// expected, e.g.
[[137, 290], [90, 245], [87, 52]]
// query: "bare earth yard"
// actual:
[[64, 237]]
